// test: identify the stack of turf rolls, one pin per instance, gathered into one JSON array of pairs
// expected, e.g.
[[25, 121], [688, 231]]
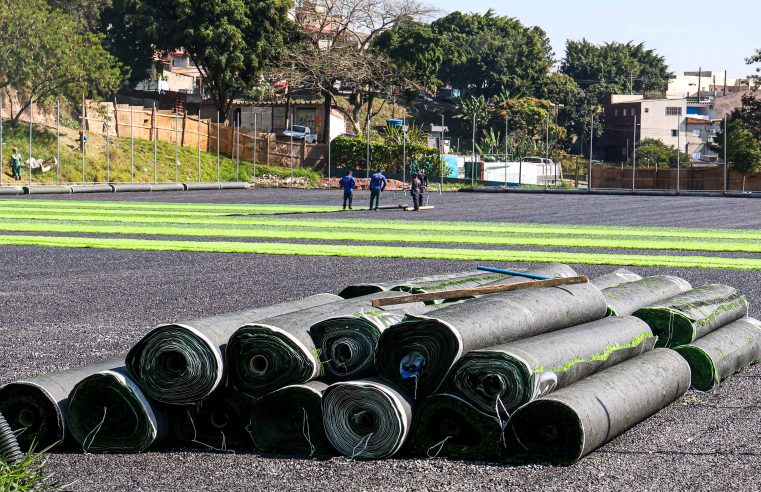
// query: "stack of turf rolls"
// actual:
[[540, 375]]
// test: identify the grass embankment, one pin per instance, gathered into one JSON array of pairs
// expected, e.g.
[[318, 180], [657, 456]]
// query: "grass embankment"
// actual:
[[360, 251], [29, 475], [168, 168]]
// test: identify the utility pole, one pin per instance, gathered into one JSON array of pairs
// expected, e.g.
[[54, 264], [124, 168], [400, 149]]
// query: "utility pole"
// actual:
[[726, 168], [473, 149], [634, 154]]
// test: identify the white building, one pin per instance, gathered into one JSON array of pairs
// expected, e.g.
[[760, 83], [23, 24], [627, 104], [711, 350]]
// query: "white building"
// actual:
[[709, 82]]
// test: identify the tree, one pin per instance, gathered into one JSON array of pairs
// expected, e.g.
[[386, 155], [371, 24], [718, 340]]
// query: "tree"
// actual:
[[45, 53], [743, 149], [489, 53], [756, 58], [230, 41], [414, 47], [615, 67], [653, 152]]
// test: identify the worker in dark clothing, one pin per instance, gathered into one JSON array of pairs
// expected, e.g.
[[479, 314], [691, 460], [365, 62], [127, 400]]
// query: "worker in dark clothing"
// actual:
[[16, 163], [348, 184], [423, 184], [416, 190], [377, 185]]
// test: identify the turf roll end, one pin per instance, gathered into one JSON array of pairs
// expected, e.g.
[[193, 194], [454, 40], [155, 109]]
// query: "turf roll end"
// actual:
[[33, 414], [263, 358], [175, 364], [216, 423], [107, 412], [672, 328], [547, 432], [702, 368]]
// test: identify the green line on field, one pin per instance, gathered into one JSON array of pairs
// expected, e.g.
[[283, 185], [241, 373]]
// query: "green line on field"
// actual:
[[385, 252]]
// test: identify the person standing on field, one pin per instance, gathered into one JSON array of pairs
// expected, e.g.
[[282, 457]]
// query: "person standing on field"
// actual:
[[348, 183], [416, 190], [377, 185], [16, 164]]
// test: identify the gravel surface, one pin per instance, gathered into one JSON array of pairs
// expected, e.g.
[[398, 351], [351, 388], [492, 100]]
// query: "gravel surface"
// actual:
[[683, 211], [67, 307]]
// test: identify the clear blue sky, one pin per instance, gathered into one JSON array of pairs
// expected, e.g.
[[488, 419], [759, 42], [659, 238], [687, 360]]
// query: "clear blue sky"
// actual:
[[690, 34]]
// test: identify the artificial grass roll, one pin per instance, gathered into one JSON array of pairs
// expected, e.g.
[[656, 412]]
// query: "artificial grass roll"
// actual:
[[614, 278], [447, 426], [289, 421], [624, 299], [182, 363], [366, 419], [498, 380], [419, 284], [723, 352], [36, 407], [107, 412], [570, 423], [279, 351], [686, 317], [418, 353], [217, 423]]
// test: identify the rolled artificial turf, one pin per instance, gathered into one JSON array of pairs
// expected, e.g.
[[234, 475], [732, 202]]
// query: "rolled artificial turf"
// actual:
[[499, 380], [164, 206], [626, 298], [217, 423], [36, 407], [279, 351], [723, 352], [419, 352], [366, 419], [183, 363], [564, 426], [446, 426], [107, 412], [347, 343], [686, 317], [289, 421], [615, 278], [361, 251]]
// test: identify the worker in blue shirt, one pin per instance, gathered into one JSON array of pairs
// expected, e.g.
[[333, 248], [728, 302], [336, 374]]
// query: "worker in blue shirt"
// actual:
[[377, 184], [348, 184]]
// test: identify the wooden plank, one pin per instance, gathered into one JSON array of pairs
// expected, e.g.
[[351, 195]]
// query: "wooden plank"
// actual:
[[478, 291]]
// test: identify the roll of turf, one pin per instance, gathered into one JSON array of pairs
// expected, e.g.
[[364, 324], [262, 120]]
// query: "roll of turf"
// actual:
[[36, 407], [366, 419], [570, 423], [10, 452], [420, 284], [108, 413], [551, 270], [182, 363], [419, 352], [624, 299], [498, 380], [347, 343], [289, 421], [614, 278], [447, 426], [686, 317], [279, 351], [220, 422], [723, 352]]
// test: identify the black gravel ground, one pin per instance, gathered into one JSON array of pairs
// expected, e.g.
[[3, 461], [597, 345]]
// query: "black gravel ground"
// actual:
[[683, 211], [65, 307]]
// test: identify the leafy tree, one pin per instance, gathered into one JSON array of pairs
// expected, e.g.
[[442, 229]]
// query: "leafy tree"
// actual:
[[88, 12], [488, 53], [230, 41], [653, 152], [749, 113], [615, 67], [414, 47], [46, 53], [756, 58], [123, 27]]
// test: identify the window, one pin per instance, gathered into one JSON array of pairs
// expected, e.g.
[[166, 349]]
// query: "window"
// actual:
[[624, 111], [672, 111], [647, 110], [616, 112], [696, 132], [674, 133]]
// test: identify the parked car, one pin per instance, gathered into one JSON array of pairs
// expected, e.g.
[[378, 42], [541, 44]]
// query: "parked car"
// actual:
[[300, 132]]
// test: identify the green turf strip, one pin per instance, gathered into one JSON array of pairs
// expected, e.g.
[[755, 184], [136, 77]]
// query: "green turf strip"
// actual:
[[385, 252], [378, 236], [210, 216]]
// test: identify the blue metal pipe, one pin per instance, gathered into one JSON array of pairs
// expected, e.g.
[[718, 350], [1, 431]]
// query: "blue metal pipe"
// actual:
[[514, 273]]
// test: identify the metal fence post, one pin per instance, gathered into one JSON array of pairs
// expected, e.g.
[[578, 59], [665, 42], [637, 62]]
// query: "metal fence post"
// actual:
[[31, 117], [291, 129], [198, 136], [154, 135], [83, 138], [1, 140], [634, 155], [176, 146], [218, 147], [255, 143], [131, 144], [108, 148], [726, 175], [237, 164], [591, 153]]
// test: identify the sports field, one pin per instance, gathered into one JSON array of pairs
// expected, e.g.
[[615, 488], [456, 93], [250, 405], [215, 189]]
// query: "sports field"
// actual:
[[85, 277]]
